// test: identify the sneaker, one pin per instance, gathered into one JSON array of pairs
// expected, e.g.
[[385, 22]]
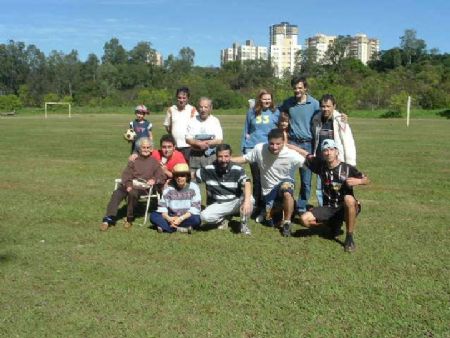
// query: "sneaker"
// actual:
[[260, 218], [127, 225], [245, 229], [223, 225], [270, 223], [160, 230], [181, 229], [287, 229], [104, 226], [349, 244], [189, 230]]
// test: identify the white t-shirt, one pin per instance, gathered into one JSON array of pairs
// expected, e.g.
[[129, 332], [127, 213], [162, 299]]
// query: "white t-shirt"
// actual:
[[210, 126], [179, 120], [274, 168]]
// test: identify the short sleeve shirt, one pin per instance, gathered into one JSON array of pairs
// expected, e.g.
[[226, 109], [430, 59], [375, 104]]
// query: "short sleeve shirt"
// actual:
[[274, 168]]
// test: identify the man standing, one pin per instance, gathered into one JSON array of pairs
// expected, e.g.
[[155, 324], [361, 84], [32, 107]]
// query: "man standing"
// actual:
[[228, 191], [168, 156], [277, 165], [177, 119], [301, 108], [339, 203], [204, 132], [328, 123]]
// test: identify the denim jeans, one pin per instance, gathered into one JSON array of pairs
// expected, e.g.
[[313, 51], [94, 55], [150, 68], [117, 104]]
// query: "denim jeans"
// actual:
[[319, 193], [157, 219], [305, 179]]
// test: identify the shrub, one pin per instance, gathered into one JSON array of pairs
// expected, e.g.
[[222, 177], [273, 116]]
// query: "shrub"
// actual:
[[10, 102]]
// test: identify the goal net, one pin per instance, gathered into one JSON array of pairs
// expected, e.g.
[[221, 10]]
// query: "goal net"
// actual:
[[58, 103]]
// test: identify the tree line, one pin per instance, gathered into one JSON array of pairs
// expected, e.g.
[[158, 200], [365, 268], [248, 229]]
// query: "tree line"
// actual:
[[124, 78]]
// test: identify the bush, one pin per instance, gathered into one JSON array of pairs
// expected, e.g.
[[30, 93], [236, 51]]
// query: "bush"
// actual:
[[10, 102], [155, 99]]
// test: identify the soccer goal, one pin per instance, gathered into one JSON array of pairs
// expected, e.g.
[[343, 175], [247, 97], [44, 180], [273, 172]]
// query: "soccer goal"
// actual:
[[58, 103]]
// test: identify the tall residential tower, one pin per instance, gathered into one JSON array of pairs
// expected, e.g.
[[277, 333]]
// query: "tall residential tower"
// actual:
[[283, 47]]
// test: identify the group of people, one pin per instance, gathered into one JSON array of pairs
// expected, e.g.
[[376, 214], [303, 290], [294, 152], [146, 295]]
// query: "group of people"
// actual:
[[302, 133]]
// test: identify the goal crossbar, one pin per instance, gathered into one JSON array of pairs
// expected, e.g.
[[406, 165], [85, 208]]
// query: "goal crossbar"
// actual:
[[58, 103]]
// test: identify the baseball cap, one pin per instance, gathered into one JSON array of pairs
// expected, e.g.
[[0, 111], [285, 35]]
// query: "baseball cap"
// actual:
[[328, 143], [141, 109]]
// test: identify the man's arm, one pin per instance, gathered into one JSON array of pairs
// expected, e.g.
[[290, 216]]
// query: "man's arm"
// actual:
[[353, 181], [247, 203], [299, 150], [239, 160]]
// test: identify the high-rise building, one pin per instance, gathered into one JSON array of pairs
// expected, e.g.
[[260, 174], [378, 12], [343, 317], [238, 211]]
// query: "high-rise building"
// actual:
[[283, 47], [364, 48], [361, 47], [320, 42], [243, 52]]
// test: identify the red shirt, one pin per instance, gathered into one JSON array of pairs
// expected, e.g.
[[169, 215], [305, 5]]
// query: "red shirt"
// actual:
[[177, 157]]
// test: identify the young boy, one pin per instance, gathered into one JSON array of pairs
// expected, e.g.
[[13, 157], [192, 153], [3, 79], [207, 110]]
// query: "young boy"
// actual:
[[141, 126]]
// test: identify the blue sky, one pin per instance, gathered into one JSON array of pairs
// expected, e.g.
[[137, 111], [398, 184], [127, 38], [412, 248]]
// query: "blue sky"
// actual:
[[208, 26]]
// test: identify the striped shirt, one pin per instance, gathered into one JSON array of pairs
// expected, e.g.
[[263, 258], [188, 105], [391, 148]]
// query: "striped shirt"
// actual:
[[222, 186], [177, 202]]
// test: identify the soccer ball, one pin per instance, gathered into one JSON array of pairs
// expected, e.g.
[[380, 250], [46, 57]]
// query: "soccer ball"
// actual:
[[130, 135]]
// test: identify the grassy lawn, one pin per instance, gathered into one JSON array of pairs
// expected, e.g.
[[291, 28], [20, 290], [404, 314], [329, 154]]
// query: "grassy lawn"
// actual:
[[61, 277]]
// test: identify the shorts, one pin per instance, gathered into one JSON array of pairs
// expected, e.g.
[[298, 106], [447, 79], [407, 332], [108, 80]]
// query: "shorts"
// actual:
[[331, 214], [275, 197]]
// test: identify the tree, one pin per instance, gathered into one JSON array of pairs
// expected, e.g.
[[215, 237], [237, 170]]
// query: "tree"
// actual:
[[142, 53], [413, 48], [187, 55], [307, 62], [337, 51], [114, 53]]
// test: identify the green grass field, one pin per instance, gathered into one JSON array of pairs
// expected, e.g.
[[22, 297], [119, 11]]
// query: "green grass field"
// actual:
[[61, 277]]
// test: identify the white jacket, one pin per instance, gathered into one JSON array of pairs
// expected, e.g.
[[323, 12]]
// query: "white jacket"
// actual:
[[342, 136]]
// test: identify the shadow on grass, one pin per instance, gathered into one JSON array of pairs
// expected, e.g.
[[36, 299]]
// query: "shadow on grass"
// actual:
[[321, 231], [4, 258], [444, 113]]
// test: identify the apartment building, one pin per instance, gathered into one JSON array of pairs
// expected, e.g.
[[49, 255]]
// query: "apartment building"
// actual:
[[248, 51], [283, 47], [361, 47]]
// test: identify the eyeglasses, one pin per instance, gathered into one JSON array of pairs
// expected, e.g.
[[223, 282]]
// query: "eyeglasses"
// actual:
[[146, 147]]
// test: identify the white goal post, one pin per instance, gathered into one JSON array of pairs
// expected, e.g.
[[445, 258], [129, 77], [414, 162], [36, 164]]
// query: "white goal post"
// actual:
[[58, 103]]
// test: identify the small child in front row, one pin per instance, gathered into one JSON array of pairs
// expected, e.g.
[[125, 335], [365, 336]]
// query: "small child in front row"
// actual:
[[141, 126], [283, 124]]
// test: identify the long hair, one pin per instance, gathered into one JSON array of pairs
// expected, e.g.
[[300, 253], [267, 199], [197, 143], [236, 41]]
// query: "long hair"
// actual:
[[258, 105]]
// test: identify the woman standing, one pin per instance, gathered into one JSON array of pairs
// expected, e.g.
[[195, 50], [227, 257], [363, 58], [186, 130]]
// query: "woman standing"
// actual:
[[260, 120]]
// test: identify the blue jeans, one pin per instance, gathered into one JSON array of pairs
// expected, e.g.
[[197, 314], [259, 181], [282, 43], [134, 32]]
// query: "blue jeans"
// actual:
[[305, 179], [157, 219], [319, 193]]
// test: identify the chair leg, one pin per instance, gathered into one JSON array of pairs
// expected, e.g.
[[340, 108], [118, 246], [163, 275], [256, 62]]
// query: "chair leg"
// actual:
[[147, 206]]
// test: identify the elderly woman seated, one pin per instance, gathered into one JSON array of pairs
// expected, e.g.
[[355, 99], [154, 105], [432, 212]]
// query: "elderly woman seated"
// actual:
[[179, 206], [139, 174]]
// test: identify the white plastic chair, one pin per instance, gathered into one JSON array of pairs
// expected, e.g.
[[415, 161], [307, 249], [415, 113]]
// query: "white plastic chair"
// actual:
[[143, 198]]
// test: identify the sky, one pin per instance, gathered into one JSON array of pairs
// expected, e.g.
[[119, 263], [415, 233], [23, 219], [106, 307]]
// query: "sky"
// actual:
[[209, 26]]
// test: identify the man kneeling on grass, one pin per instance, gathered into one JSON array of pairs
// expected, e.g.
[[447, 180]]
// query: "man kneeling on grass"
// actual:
[[339, 203], [139, 174], [228, 191]]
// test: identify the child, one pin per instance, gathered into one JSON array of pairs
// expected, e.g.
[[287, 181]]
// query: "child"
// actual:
[[283, 124], [141, 126]]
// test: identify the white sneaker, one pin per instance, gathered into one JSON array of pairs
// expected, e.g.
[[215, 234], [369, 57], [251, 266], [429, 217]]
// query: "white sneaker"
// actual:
[[245, 229], [261, 217], [223, 225]]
